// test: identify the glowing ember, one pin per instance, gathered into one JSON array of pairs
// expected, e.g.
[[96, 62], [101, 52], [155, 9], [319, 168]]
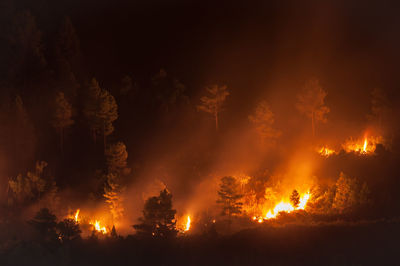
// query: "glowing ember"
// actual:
[[98, 227], [188, 223]]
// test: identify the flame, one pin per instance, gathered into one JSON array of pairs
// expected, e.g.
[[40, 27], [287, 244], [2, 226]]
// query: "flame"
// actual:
[[325, 151], [77, 215], [98, 227], [187, 228], [364, 146], [284, 206]]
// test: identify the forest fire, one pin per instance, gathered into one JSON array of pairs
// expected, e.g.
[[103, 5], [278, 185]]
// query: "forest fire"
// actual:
[[187, 228], [76, 217], [325, 151], [176, 133], [365, 146], [287, 206], [98, 227]]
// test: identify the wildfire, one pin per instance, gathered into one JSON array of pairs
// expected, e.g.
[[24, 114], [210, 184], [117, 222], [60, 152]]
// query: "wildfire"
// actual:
[[284, 206], [98, 227], [187, 228], [325, 151], [76, 217], [364, 146]]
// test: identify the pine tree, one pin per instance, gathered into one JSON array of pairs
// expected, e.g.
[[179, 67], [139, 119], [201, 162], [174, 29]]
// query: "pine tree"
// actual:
[[68, 230], [45, 224], [113, 194], [116, 156], [101, 111], [67, 57], [158, 219], [62, 116], [311, 102], [229, 197], [213, 104], [295, 198], [263, 120]]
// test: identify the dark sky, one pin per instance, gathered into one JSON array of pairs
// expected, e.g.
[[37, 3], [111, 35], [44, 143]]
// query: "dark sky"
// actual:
[[347, 44]]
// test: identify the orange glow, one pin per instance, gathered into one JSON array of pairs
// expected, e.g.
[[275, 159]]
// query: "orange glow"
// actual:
[[98, 227], [325, 151], [77, 215], [284, 206], [187, 228], [365, 146]]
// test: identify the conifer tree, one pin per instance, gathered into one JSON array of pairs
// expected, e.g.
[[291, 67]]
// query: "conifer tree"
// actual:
[[62, 116], [158, 219], [101, 111], [311, 102], [263, 120], [213, 104], [229, 197]]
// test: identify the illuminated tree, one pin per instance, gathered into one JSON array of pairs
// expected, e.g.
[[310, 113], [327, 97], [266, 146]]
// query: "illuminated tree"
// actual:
[[101, 111], [229, 196], [113, 195], [24, 189], [311, 102], [295, 198], [349, 193], [168, 91], [213, 104], [158, 217], [62, 116], [263, 120], [45, 224], [116, 156], [68, 230]]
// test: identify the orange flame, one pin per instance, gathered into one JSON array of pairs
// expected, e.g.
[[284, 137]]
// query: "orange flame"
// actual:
[[98, 227], [187, 228], [77, 215], [284, 206]]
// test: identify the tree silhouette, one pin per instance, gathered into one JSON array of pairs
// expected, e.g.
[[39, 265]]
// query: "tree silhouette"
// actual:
[[45, 224], [229, 197], [263, 120], [68, 230], [116, 156], [67, 57], [168, 91], [295, 198], [29, 188], [380, 110], [62, 116], [311, 102], [213, 104], [113, 194], [28, 54], [158, 217], [100, 110]]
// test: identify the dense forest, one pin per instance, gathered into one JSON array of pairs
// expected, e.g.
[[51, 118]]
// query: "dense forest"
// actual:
[[199, 133]]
